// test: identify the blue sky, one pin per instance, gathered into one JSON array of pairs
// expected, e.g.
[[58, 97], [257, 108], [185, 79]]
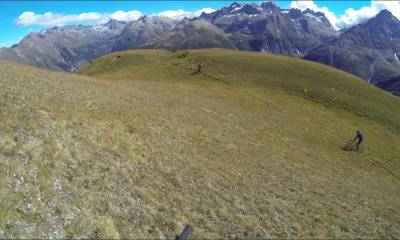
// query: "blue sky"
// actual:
[[34, 20]]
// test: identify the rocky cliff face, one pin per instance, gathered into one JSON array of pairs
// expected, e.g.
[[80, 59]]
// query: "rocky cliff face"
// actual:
[[268, 28], [370, 50]]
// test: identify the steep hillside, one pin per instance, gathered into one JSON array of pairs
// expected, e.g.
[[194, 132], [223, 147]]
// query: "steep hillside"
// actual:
[[369, 50], [238, 151], [322, 84]]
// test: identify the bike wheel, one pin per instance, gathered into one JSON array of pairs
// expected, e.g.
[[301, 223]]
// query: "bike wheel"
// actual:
[[349, 146]]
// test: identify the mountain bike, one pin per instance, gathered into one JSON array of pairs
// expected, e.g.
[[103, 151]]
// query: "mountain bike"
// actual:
[[351, 145]]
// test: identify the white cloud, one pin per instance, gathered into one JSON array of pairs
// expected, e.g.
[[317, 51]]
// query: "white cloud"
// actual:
[[55, 19], [58, 19], [180, 14], [351, 16], [126, 16]]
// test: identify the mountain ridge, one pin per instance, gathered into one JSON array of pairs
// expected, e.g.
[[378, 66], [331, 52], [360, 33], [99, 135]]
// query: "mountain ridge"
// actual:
[[70, 47], [69, 56], [368, 50]]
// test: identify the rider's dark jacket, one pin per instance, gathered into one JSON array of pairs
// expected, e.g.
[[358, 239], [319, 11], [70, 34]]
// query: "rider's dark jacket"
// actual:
[[359, 136]]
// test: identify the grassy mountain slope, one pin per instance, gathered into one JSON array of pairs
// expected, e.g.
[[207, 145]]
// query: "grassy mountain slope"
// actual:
[[238, 151], [329, 86]]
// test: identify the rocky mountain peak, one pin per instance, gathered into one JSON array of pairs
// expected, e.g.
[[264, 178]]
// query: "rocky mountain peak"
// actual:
[[235, 5], [269, 6], [305, 17], [114, 24], [233, 9], [309, 11], [237, 8], [144, 18], [383, 22], [250, 9], [383, 19], [295, 13], [385, 15]]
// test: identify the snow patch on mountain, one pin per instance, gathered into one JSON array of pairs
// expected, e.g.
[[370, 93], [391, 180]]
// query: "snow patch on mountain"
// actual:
[[313, 17], [99, 28], [237, 8]]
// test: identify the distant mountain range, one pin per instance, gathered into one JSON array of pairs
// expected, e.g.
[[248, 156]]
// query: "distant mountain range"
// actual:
[[370, 50], [251, 27], [71, 47]]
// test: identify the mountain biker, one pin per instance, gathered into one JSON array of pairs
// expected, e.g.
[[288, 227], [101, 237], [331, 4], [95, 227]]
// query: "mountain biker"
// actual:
[[358, 139]]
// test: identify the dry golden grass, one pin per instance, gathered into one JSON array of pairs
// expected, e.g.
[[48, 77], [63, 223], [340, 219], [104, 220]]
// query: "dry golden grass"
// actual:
[[139, 158]]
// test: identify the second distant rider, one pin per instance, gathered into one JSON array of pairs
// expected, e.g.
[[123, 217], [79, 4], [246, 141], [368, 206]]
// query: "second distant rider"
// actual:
[[358, 139]]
